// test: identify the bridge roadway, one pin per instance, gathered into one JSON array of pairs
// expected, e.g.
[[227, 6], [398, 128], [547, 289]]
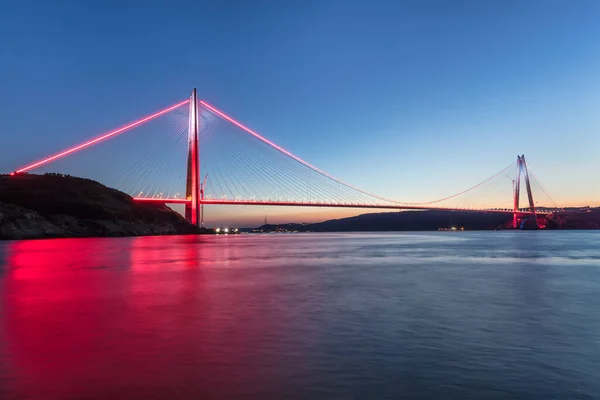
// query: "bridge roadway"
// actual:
[[541, 211]]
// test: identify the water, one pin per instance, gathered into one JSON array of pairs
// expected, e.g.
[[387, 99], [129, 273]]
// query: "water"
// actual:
[[430, 315]]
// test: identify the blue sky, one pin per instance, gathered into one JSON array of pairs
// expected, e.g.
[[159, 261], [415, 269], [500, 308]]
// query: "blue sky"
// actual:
[[430, 96]]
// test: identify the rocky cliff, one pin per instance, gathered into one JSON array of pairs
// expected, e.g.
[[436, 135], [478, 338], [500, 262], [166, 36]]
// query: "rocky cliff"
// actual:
[[39, 206]]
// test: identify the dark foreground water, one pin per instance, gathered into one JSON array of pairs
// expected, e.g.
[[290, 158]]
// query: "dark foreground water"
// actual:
[[439, 315]]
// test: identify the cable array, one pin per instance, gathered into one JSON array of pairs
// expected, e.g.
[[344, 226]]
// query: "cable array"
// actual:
[[148, 159], [242, 165], [542, 197]]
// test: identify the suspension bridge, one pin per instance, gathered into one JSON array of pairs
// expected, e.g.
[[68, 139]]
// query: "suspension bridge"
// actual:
[[194, 154]]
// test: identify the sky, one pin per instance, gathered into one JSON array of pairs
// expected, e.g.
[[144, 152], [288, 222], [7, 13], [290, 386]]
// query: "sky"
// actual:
[[412, 100]]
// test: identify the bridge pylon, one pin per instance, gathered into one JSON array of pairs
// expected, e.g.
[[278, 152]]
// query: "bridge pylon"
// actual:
[[192, 189], [522, 169]]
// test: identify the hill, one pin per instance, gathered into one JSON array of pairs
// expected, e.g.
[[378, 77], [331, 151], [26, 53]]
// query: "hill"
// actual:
[[52, 205], [414, 221], [400, 221], [435, 220]]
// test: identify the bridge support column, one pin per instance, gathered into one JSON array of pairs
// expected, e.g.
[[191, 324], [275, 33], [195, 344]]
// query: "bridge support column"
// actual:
[[522, 168], [529, 193], [192, 189], [516, 194]]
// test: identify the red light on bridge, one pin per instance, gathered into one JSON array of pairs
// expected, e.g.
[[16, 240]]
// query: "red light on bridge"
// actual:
[[103, 137]]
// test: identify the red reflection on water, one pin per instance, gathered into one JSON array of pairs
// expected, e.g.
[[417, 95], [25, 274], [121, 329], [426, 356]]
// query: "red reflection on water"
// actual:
[[119, 317], [45, 329]]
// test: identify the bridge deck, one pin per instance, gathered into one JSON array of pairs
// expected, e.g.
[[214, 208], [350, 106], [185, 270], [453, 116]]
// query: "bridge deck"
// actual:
[[330, 205]]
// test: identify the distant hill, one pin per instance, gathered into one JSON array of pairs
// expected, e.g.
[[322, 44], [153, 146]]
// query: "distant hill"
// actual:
[[52, 205], [435, 220], [581, 219], [401, 221], [414, 221]]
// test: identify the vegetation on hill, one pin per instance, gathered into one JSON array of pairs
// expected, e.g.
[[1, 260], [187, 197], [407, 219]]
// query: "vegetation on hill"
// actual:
[[53, 205]]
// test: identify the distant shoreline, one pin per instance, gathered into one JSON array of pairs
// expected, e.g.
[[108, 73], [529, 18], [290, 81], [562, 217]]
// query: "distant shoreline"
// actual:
[[432, 221], [59, 206]]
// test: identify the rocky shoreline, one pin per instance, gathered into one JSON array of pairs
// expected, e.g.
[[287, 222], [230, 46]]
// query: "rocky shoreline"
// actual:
[[52, 206]]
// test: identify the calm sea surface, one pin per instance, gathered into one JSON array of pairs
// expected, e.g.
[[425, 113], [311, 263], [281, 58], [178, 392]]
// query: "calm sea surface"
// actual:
[[401, 315]]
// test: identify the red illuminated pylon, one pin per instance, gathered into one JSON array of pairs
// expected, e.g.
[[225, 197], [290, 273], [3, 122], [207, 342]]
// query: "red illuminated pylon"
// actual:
[[193, 167]]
